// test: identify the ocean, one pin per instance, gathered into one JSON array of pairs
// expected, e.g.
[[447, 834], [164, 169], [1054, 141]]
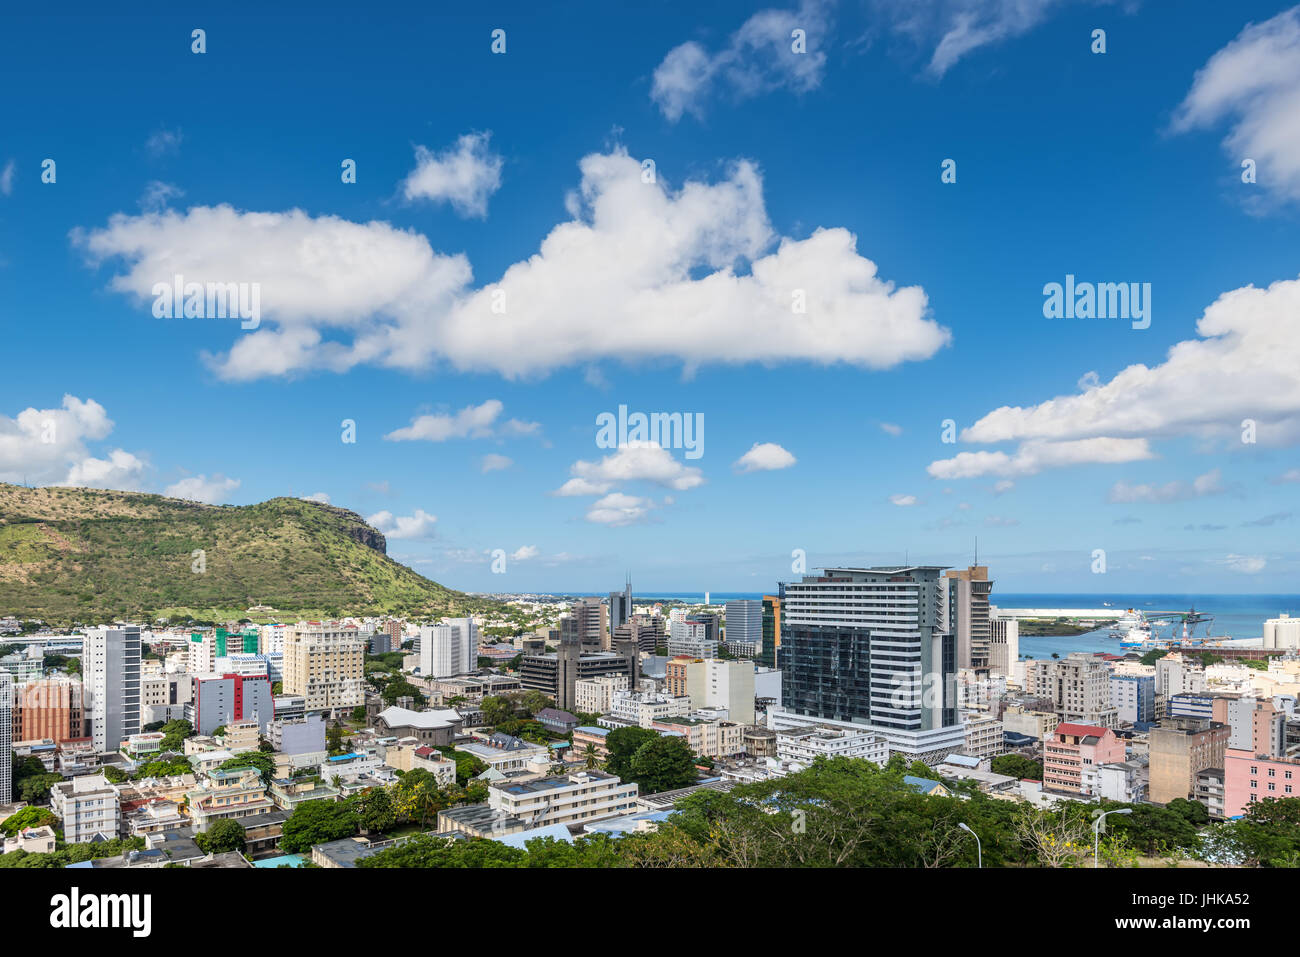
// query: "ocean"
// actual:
[[1235, 616]]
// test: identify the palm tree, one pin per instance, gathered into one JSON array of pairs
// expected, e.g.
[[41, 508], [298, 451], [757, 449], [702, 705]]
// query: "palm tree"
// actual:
[[589, 752]]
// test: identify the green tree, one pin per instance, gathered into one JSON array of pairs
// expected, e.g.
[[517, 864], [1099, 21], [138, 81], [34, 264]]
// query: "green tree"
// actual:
[[663, 764], [28, 817], [622, 744], [316, 822], [224, 835], [374, 809], [1017, 766]]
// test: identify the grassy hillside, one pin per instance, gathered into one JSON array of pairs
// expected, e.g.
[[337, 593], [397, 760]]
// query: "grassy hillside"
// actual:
[[85, 555]]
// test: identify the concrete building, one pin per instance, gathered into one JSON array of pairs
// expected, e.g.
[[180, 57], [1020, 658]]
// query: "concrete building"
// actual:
[[110, 664], [968, 590], [449, 649], [596, 695], [1256, 726], [1249, 778], [323, 662], [690, 638], [984, 735], [556, 673], [221, 700], [564, 799], [643, 708], [1071, 749], [587, 623], [1176, 675], [710, 739], [719, 683], [1134, 698], [1078, 686], [1282, 632], [873, 647], [6, 738], [620, 606], [88, 807], [1180, 748], [1004, 645], [647, 632], [745, 621], [305, 735], [806, 745]]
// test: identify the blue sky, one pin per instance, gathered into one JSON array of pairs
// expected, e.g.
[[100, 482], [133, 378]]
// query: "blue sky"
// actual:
[[775, 172]]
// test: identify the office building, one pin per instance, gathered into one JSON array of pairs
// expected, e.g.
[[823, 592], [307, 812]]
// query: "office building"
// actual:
[[806, 745], [620, 605], [745, 621], [646, 631], [323, 662], [969, 590], [1004, 645], [690, 636], [110, 664], [52, 708], [6, 738], [872, 647], [771, 637], [1134, 698], [556, 673], [587, 622], [596, 695], [1255, 725], [718, 683], [449, 649], [222, 700]]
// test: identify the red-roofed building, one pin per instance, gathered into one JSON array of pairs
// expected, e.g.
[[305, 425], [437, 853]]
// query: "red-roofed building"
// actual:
[[1071, 748]]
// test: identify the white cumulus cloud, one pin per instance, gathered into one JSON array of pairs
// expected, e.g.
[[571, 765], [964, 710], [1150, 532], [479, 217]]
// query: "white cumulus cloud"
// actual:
[[418, 525], [199, 488], [464, 175], [764, 457]]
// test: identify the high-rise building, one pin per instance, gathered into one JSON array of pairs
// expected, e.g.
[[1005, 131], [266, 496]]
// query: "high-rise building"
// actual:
[[969, 590], [690, 636], [745, 621], [1180, 748], [110, 664], [1134, 698], [716, 683], [223, 700], [1078, 686], [646, 631], [588, 622], [324, 663], [557, 673], [620, 605], [771, 631], [6, 738], [51, 708], [449, 649], [1004, 645], [872, 647]]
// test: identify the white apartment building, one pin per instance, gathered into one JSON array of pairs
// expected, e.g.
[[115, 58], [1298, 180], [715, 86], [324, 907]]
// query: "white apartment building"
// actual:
[[707, 738], [806, 745], [271, 638], [718, 683], [1176, 675], [110, 666], [88, 806], [690, 638], [645, 707], [449, 649], [563, 799], [596, 695], [983, 736]]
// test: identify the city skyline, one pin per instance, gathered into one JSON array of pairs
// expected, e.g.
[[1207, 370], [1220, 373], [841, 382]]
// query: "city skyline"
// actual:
[[455, 345]]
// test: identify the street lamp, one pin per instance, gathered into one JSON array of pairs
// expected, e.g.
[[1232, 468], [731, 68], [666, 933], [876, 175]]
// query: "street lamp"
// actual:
[[1098, 823], [979, 848]]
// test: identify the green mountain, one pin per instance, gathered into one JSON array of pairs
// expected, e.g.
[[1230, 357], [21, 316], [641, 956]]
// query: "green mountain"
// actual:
[[84, 555]]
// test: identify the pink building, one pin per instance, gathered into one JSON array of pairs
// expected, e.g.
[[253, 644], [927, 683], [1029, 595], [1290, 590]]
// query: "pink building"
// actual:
[[1071, 748], [1249, 778]]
